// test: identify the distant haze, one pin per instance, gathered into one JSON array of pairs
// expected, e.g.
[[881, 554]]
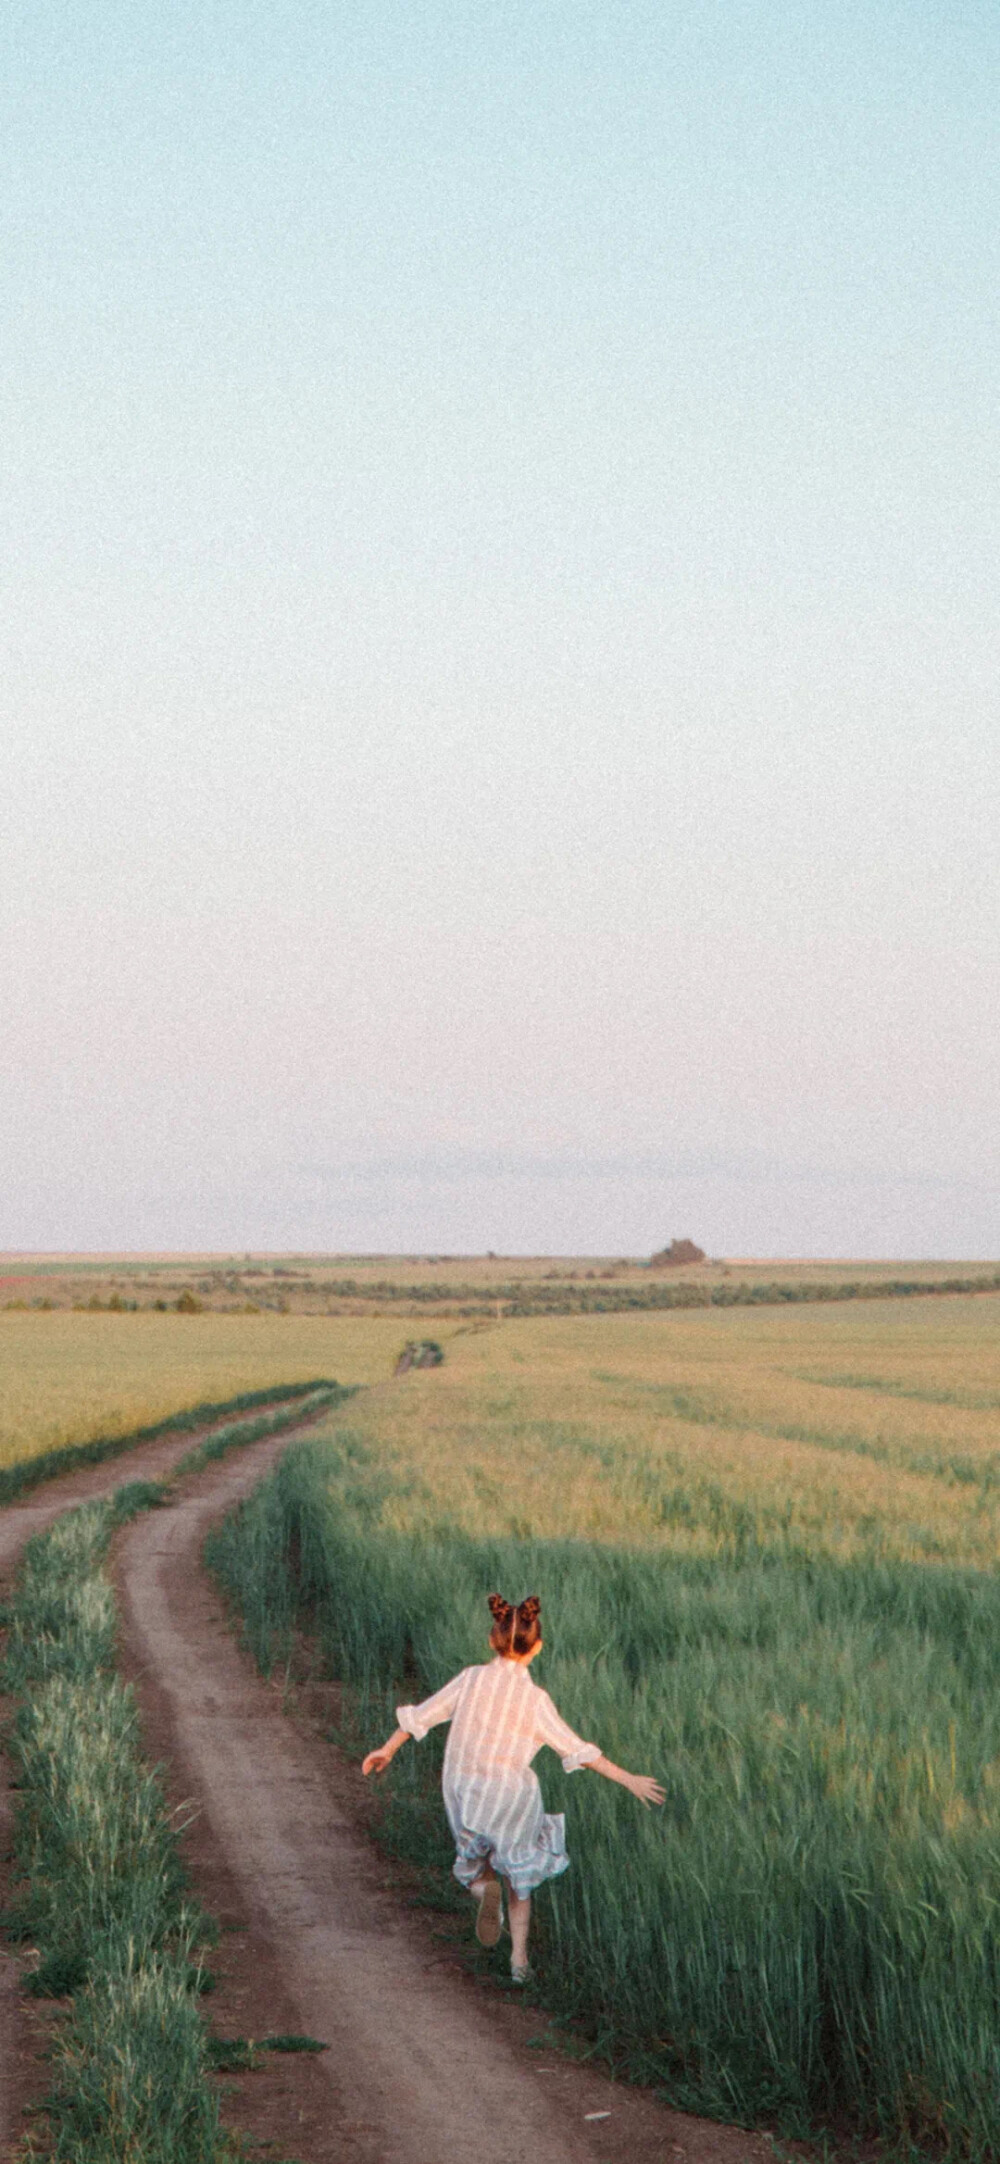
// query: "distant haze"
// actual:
[[500, 732]]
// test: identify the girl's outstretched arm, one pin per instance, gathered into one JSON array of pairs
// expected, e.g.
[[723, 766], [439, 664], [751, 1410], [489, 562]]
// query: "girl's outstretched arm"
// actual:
[[377, 1761], [640, 1784], [418, 1720]]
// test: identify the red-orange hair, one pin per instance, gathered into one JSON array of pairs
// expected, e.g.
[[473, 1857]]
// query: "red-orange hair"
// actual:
[[515, 1630]]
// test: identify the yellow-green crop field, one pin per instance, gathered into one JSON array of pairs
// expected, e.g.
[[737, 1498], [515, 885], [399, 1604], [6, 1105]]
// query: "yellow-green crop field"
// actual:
[[848, 1429], [69, 1378]]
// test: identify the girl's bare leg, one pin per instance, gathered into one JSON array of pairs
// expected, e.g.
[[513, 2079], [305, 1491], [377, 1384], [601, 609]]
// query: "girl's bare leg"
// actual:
[[519, 1919]]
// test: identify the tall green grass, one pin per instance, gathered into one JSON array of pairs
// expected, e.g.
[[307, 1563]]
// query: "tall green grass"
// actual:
[[809, 1932], [100, 1887]]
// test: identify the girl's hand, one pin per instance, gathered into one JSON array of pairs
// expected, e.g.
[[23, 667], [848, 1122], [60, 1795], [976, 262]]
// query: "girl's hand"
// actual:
[[647, 1790], [641, 1785], [377, 1761]]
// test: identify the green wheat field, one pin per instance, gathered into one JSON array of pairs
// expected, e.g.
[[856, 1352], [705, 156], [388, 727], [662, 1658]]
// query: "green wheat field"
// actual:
[[766, 1546]]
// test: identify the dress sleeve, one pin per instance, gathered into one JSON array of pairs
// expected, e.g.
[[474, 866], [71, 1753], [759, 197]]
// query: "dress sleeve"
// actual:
[[555, 1731], [432, 1711]]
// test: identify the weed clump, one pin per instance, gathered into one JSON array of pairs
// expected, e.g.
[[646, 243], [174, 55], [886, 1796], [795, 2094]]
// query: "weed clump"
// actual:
[[422, 1352], [130, 2069]]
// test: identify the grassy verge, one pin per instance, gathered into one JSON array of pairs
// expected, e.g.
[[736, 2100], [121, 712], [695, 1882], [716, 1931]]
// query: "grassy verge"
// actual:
[[100, 1887], [808, 1933], [320, 1398], [28, 1473]]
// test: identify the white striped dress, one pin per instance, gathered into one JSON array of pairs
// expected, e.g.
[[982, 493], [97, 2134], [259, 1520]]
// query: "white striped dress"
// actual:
[[499, 1719]]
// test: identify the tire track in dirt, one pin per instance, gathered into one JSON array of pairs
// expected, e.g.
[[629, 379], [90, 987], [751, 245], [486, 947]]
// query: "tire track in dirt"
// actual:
[[423, 2067]]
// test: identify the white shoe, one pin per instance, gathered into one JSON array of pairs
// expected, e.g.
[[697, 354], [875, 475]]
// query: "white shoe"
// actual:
[[520, 1972]]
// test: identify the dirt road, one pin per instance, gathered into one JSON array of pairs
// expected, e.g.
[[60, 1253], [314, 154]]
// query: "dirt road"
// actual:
[[424, 2065]]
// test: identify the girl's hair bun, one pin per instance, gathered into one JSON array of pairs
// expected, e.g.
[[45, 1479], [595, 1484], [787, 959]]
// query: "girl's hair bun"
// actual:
[[515, 1629]]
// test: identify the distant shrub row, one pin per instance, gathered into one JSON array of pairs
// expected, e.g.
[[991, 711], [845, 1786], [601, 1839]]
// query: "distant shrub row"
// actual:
[[569, 1297], [613, 1299], [187, 1303], [575, 1298]]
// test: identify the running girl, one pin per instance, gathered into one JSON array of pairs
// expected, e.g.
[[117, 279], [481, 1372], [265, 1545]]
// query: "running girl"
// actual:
[[499, 1719]]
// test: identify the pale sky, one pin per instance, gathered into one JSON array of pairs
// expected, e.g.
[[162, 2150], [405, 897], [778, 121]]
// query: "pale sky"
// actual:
[[499, 531]]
